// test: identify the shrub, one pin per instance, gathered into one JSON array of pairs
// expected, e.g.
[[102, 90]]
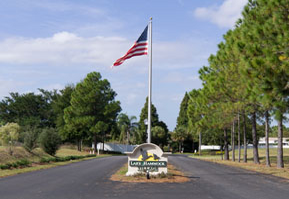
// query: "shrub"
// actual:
[[23, 163], [9, 134], [44, 160], [90, 155], [30, 139], [63, 159], [5, 166], [166, 149], [49, 141], [19, 163]]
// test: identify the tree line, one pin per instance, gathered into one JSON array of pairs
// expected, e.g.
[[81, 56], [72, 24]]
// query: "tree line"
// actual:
[[81, 114], [245, 84]]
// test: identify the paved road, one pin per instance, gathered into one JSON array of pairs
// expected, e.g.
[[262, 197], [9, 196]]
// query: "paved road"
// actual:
[[89, 179]]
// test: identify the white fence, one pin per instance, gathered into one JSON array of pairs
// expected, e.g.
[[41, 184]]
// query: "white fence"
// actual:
[[122, 148], [210, 147]]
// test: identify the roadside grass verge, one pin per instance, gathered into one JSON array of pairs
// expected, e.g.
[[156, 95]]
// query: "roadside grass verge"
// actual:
[[39, 166], [22, 161], [261, 168], [173, 176], [35, 156]]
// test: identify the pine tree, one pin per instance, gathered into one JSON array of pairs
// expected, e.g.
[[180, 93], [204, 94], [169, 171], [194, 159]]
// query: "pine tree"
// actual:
[[182, 119], [93, 108], [265, 34], [143, 117]]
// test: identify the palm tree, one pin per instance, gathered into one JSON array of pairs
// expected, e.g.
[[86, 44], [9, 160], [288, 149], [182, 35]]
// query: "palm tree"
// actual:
[[127, 127]]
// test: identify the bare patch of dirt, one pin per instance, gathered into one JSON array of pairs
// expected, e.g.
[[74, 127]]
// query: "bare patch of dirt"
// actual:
[[173, 176]]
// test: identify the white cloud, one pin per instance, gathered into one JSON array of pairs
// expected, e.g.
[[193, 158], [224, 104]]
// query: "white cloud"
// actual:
[[66, 49], [63, 37], [224, 15], [62, 48]]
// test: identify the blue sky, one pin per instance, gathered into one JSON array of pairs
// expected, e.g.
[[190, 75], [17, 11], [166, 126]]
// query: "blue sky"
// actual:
[[49, 44]]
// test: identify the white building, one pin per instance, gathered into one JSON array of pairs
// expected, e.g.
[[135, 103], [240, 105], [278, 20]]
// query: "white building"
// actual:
[[122, 148], [273, 142]]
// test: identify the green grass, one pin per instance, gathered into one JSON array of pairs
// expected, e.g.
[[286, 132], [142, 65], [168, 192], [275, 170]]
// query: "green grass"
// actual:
[[250, 164], [262, 155], [21, 155], [35, 167], [36, 154]]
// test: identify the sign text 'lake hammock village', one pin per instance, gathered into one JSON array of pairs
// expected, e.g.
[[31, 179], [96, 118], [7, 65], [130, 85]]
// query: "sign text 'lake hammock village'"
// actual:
[[147, 158]]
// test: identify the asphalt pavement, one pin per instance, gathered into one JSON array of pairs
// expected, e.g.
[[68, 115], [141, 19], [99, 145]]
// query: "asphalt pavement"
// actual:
[[90, 179]]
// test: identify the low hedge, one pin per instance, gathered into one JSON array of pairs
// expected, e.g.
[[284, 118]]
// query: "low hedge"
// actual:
[[25, 163], [64, 159], [17, 164]]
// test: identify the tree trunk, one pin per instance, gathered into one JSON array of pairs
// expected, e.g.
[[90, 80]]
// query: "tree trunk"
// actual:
[[255, 141], [103, 144], [221, 147], [245, 137], [239, 139], [95, 143], [280, 163], [78, 145], [127, 137], [226, 145], [222, 156], [200, 143], [10, 151], [233, 141], [267, 139]]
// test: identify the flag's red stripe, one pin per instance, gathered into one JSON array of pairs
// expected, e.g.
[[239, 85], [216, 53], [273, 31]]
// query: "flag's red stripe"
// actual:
[[133, 53], [136, 45], [137, 54], [122, 59], [137, 49]]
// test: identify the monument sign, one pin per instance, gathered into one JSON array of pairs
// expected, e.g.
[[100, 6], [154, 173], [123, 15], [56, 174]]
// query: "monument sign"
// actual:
[[147, 158]]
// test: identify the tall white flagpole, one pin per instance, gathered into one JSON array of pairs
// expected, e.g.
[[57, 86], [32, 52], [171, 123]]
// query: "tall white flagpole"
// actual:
[[150, 82]]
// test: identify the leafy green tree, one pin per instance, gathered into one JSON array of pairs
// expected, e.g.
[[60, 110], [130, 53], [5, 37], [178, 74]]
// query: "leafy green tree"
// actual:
[[164, 139], [274, 131], [49, 141], [9, 134], [179, 135], [28, 109], [93, 108], [159, 136]]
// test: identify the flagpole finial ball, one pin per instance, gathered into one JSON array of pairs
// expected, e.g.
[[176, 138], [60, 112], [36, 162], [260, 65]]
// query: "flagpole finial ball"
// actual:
[[151, 18]]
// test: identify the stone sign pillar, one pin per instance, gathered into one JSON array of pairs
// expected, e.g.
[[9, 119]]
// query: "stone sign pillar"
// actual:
[[147, 158]]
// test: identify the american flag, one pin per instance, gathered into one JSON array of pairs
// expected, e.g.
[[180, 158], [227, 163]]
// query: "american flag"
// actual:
[[140, 47]]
